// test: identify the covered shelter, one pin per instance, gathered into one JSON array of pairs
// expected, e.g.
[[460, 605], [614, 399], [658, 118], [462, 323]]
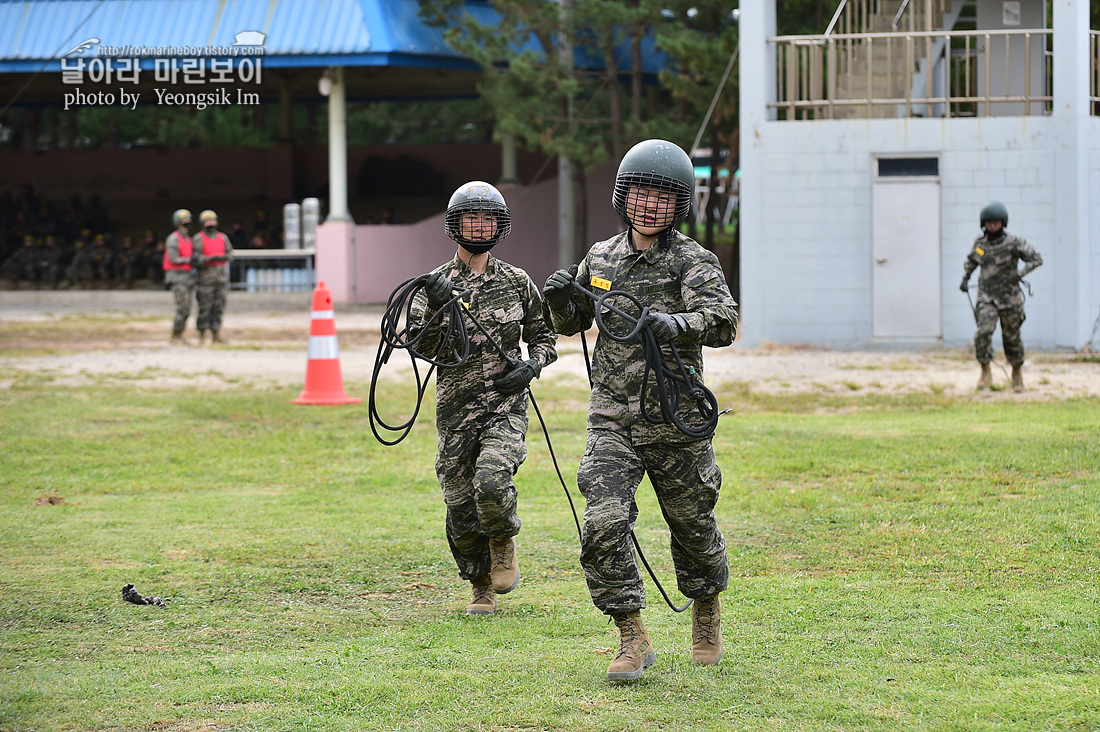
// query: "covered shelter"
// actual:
[[75, 53]]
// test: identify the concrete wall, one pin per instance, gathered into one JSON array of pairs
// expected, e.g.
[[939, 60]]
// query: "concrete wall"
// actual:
[[816, 273]]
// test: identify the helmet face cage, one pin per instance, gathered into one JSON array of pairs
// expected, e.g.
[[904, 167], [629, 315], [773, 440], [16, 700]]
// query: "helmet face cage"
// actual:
[[667, 199], [452, 222]]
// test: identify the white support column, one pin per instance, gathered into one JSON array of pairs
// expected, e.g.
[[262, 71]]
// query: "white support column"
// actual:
[[1069, 254], [337, 149], [757, 83]]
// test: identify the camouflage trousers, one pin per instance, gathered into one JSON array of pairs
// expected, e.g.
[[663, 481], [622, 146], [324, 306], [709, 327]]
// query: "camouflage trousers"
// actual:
[[686, 479], [211, 297], [1011, 319], [475, 469], [182, 292]]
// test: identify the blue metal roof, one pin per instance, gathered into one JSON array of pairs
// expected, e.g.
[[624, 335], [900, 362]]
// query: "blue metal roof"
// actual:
[[34, 34]]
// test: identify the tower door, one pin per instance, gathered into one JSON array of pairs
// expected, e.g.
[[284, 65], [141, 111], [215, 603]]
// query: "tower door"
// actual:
[[906, 251]]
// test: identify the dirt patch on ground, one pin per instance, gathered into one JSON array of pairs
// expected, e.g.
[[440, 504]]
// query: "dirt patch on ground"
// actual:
[[67, 343]]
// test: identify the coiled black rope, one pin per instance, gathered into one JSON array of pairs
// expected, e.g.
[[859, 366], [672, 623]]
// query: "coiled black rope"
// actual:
[[452, 351], [671, 384]]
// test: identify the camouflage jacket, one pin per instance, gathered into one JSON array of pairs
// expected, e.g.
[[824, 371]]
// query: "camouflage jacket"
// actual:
[[508, 304], [681, 277], [999, 280]]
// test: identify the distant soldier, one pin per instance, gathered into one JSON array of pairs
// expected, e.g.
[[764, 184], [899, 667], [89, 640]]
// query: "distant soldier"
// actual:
[[212, 253], [102, 256], [152, 252], [20, 266], [127, 262], [179, 275], [998, 253], [81, 269], [49, 262]]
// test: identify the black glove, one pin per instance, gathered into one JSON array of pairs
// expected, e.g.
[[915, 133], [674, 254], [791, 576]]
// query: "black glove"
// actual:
[[438, 289], [965, 286], [666, 327], [559, 287], [518, 378]]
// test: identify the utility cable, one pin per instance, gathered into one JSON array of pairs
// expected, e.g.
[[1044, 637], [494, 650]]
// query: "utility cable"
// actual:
[[671, 384]]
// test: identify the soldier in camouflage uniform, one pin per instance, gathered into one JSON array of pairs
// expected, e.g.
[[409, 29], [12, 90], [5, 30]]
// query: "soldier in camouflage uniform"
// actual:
[[481, 406], [998, 253], [49, 262], [81, 269], [179, 274], [21, 265], [212, 253], [690, 303], [102, 257]]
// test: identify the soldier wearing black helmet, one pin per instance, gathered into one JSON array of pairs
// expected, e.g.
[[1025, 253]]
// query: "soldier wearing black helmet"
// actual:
[[481, 406], [998, 254], [690, 303]]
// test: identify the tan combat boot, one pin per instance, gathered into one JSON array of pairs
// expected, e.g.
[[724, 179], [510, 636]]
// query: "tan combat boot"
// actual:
[[216, 337], [178, 339], [635, 650], [202, 337], [706, 631], [485, 600], [505, 565], [986, 378], [1017, 379]]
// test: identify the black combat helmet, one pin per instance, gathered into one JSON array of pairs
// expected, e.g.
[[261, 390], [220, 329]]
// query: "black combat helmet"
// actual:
[[656, 164], [473, 197], [994, 211]]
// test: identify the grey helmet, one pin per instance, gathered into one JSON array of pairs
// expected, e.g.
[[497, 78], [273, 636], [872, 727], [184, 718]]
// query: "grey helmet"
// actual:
[[656, 164], [471, 197], [994, 211], [179, 216]]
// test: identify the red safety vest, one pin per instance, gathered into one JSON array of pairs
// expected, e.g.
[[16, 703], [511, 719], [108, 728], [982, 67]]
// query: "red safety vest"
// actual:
[[185, 253], [213, 246]]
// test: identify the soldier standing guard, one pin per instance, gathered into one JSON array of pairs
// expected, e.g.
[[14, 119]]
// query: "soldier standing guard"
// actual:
[[998, 253], [178, 273], [481, 406], [690, 303], [212, 253]]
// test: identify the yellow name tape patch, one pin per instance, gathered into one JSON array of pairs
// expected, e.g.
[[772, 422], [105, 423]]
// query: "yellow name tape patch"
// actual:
[[601, 283], [979, 250]]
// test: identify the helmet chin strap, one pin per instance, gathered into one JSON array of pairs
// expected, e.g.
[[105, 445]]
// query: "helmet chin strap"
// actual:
[[476, 248], [662, 235]]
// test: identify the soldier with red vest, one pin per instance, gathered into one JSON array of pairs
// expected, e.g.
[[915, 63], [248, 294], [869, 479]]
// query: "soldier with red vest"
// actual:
[[179, 275], [212, 252]]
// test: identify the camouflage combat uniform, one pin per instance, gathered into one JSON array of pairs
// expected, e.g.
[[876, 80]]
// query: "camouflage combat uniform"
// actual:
[[674, 277], [999, 294], [181, 281], [482, 432], [211, 283]]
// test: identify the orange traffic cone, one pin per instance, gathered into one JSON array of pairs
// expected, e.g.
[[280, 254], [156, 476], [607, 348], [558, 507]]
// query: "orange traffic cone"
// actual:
[[324, 383]]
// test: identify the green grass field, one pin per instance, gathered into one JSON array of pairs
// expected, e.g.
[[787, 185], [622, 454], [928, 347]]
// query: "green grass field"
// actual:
[[897, 563]]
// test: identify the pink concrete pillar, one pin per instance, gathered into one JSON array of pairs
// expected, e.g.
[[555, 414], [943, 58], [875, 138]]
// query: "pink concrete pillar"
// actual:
[[335, 261]]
